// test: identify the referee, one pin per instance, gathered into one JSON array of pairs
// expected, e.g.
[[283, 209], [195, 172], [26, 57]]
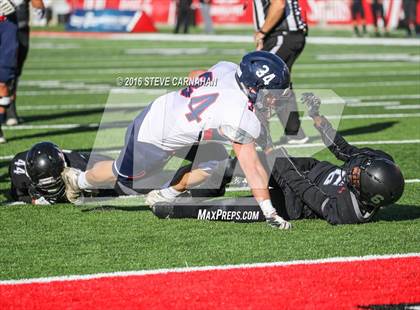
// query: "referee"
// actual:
[[281, 30]]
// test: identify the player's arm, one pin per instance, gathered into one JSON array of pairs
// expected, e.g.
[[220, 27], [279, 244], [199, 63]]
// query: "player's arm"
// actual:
[[38, 4], [195, 74], [274, 14], [331, 138], [258, 181]]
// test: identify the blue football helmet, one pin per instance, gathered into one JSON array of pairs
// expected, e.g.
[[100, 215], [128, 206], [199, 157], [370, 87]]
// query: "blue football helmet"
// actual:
[[262, 70]]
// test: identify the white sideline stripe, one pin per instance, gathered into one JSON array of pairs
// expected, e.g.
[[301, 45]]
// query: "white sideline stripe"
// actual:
[[247, 189], [383, 142], [249, 39], [403, 107], [207, 268]]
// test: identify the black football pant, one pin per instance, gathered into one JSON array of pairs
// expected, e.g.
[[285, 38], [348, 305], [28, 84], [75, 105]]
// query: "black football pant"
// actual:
[[288, 46], [183, 17]]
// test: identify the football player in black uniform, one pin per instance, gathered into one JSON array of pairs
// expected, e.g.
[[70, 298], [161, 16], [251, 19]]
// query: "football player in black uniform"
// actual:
[[36, 174], [308, 188]]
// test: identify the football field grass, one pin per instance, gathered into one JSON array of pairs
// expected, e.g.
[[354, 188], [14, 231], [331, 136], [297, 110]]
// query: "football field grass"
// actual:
[[63, 91]]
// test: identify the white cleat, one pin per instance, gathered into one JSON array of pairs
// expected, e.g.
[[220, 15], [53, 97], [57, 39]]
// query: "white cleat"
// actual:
[[12, 122], [73, 192], [156, 196], [2, 140]]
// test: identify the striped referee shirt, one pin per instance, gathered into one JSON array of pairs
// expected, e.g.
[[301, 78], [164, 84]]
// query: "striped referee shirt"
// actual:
[[292, 19]]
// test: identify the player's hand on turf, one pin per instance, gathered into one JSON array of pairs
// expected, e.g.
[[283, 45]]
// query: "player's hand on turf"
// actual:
[[278, 222], [313, 103]]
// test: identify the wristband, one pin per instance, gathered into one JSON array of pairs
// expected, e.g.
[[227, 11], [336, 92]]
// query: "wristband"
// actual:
[[263, 32]]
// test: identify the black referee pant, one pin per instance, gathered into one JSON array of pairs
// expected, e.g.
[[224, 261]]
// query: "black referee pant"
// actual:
[[288, 46]]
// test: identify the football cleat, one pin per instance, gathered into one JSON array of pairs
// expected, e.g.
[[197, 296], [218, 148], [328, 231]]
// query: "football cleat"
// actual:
[[12, 122], [163, 210], [73, 192], [278, 222], [156, 196]]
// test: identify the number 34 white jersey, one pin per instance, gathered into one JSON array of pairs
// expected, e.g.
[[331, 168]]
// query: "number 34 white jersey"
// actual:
[[180, 118]]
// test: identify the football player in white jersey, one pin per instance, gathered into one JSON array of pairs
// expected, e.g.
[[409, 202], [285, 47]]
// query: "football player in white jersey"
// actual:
[[204, 111]]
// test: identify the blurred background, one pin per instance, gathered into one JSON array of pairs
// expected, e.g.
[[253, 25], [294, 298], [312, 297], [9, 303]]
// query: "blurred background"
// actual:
[[227, 16]]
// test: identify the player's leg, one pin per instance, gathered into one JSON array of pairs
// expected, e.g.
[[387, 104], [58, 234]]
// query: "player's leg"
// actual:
[[206, 171], [8, 47], [375, 11], [289, 47], [23, 49], [354, 19]]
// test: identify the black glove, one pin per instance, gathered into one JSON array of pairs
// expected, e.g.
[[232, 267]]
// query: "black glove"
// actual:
[[312, 102]]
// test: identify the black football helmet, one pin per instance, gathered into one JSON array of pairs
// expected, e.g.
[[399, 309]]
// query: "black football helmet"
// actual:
[[44, 164], [376, 182]]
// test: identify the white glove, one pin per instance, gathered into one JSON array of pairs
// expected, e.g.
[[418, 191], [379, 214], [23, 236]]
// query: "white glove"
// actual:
[[41, 201], [7, 7], [278, 222], [271, 216], [40, 13]]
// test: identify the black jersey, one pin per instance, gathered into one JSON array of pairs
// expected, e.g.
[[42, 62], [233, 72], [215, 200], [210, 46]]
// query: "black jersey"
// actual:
[[22, 188], [322, 186], [292, 19]]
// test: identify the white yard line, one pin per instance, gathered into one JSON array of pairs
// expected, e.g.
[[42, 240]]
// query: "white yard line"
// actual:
[[370, 57], [93, 125], [404, 107], [208, 268], [247, 189], [306, 145], [104, 89], [373, 104]]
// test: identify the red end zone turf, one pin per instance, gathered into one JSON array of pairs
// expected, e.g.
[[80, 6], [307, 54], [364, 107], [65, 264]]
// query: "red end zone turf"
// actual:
[[331, 285]]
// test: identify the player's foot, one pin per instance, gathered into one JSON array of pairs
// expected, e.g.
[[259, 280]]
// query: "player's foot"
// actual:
[[70, 176], [12, 121], [156, 196]]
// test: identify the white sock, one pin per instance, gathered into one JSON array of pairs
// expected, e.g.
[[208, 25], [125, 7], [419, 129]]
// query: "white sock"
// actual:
[[170, 192], [267, 208], [82, 182]]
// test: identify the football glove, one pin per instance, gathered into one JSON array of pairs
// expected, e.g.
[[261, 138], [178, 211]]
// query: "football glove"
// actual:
[[39, 13], [312, 102], [278, 222], [7, 7]]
